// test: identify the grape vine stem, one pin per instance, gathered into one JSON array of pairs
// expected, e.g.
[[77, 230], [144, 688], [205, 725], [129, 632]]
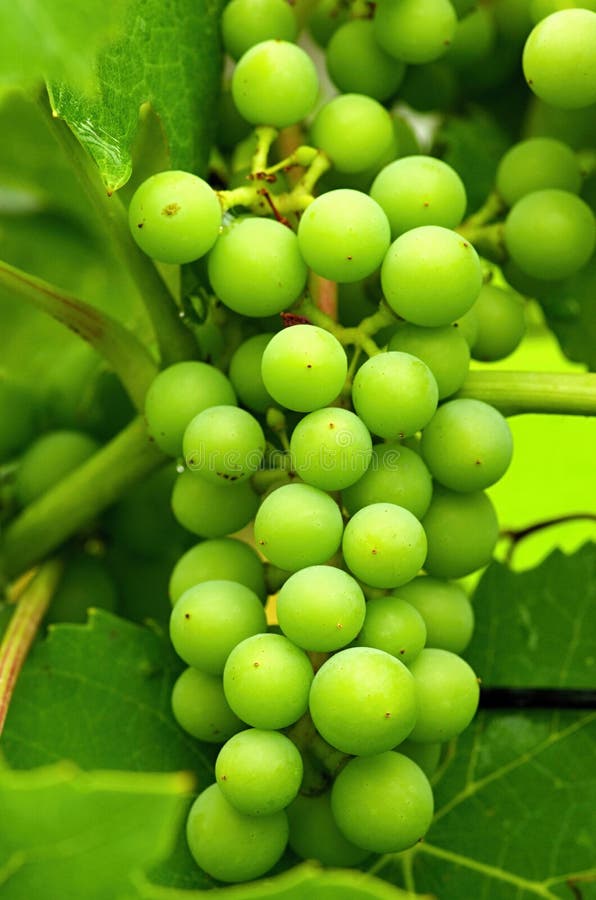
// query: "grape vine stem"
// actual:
[[73, 502], [128, 357], [514, 393], [174, 341], [22, 628]]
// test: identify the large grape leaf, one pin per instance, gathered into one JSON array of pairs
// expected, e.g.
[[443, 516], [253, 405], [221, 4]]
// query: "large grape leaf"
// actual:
[[307, 880], [67, 834], [169, 58], [99, 695], [515, 805], [570, 309], [473, 146], [54, 39]]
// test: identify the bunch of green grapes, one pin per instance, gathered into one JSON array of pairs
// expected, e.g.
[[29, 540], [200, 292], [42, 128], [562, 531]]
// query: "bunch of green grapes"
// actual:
[[319, 462]]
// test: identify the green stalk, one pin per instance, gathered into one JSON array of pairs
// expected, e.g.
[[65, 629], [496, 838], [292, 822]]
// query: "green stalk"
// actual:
[[513, 393], [174, 340], [62, 511], [128, 357], [22, 629]]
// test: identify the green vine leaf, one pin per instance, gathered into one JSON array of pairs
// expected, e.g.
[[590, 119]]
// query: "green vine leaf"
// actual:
[[168, 60], [99, 695], [521, 779], [570, 309], [55, 40], [71, 834], [306, 880]]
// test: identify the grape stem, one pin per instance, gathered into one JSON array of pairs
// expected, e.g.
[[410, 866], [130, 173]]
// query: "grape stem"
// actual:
[[174, 341], [489, 240], [250, 196], [73, 502], [492, 207], [516, 535], [22, 628], [128, 357], [323, 757], [514, 393], [359, 336]]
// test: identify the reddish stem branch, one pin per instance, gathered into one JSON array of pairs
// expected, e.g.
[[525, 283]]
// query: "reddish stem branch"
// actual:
[[22, 629]]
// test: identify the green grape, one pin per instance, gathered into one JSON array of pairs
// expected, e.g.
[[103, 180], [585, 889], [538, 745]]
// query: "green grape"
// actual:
[[175, 217], [141, 519], [314, 833], [559, 59], [395, 394], [415, 31], [179, 393], [384, 545], [427, 756], [407, 141], [473, 40], [501, 323], [245, 373], [447, 694], [419, 190], [210, 619], [298, 525], [383, 803], [444, 350], [231, 128], [259, 772], [467, 445], [304, 367], [224, 445], [85, 584], [362, 701], [574, 127], [257, 283], [275, 83], [245, 23], [446, 611], [343, 235], [540, 9], [357, 64], [394, 626], [397, 475], [200, 707], [429, 87], [330, 448], [320, 608], [229, 845], [513, 20], [461, 530], [267, 680], [325, 19], [550, 234], [463, 7], [354, 131], [214, 560], [468, 324], [212, 510], [17, 418], [431, 275], [48, 460], [537, 164]]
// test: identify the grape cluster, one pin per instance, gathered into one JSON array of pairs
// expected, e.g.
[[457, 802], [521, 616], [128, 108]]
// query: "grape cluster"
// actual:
[[364, 478]]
